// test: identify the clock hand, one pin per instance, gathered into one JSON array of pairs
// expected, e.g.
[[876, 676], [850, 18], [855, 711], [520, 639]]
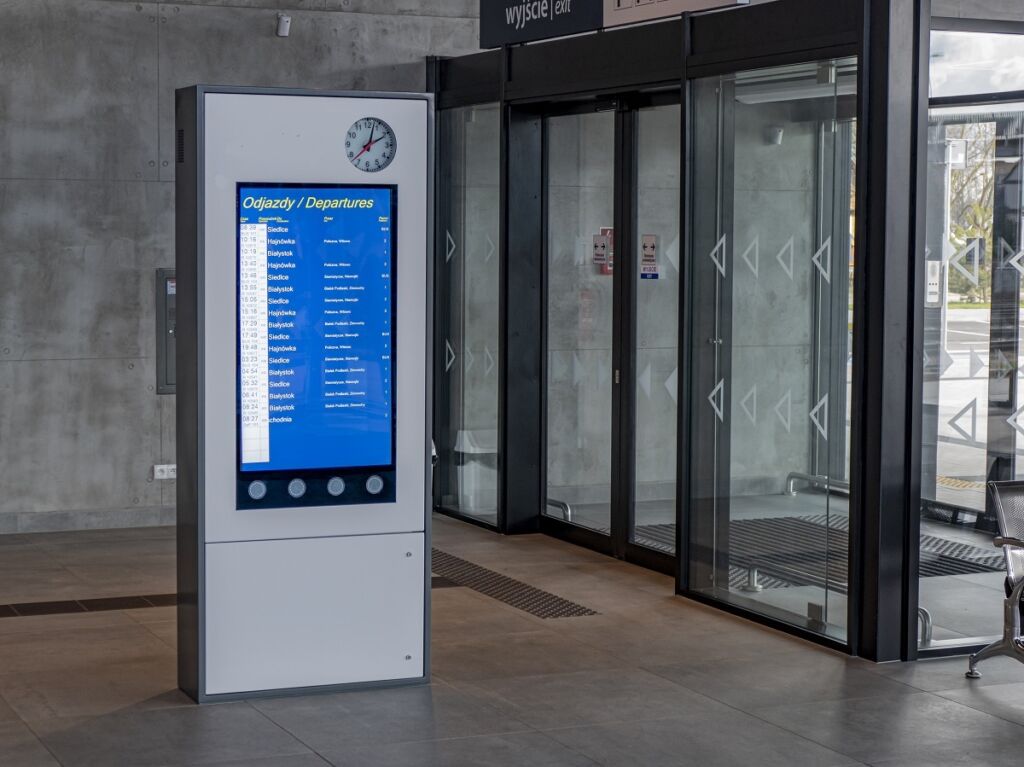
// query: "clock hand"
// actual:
[[368, 146]]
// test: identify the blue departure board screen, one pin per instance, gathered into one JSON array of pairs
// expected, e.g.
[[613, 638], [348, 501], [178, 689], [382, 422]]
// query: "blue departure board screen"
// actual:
[[315, 326]]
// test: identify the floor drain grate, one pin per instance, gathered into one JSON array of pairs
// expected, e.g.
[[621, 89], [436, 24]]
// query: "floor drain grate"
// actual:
[[508, 590]]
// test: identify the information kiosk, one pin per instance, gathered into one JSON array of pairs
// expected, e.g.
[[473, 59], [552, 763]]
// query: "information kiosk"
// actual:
[[302, 416]]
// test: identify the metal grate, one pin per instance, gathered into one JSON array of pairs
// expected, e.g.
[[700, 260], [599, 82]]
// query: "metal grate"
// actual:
[[508, 590], [811, 551]]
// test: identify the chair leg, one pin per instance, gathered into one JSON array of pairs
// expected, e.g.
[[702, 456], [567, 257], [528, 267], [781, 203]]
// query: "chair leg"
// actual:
[[994, 649]]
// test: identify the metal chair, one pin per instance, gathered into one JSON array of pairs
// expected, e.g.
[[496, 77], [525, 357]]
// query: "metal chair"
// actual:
[[1008, 499]]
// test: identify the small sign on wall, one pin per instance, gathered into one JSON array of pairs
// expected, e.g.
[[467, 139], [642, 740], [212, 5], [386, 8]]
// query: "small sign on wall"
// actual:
[[609, 265], [649, 257], [601, 247]]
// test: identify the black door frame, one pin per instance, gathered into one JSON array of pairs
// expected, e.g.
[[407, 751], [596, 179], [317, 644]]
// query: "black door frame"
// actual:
[[617, 542]]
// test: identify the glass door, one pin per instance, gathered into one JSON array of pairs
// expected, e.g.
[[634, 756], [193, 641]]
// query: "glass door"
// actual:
[[655, 333], [580, 198], [771, 255], [612, 197]]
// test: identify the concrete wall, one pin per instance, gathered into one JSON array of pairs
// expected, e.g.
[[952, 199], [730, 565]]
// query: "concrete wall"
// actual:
[[87, 212]]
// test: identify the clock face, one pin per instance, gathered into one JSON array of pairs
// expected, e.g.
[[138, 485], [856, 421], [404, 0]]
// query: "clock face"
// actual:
[[370, 144]]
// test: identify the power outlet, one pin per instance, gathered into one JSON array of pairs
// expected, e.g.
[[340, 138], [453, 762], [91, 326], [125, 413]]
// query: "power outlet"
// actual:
[[165, 471]]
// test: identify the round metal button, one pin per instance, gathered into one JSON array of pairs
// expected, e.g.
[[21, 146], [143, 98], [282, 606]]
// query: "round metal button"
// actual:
[[296, 488], [257, 490], [335, 486], [374, 485]]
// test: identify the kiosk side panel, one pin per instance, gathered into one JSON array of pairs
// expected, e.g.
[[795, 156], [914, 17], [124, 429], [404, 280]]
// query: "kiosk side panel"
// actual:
[[187, 245]]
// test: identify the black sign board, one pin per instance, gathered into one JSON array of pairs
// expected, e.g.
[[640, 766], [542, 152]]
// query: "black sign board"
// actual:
[[503, 22]]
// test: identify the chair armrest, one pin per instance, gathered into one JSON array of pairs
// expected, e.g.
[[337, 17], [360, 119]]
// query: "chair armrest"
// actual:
[[1000, 542]]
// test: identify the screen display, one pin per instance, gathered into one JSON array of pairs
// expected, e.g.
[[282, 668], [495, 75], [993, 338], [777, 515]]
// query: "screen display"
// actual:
[[315, 326]]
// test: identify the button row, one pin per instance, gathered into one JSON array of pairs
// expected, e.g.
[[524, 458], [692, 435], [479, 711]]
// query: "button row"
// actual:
[[297, 487]]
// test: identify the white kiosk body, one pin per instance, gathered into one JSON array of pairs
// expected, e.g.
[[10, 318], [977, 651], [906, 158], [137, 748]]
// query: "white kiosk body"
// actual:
[[303, 337]]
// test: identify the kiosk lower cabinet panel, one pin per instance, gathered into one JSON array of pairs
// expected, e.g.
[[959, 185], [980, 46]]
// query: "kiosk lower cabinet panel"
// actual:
[[276, 619]]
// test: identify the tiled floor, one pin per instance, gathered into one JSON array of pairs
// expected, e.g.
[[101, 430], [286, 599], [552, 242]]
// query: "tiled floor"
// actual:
[[652, 680]]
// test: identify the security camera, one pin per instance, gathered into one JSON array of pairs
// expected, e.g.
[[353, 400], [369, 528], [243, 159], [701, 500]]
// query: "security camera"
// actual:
[[284, 25]]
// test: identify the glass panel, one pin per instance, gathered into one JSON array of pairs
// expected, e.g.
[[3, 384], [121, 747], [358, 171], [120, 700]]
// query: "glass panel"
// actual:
[[972, 429], [963, 63], [657, 326], [580, 153], [770, 243], [466, 430]]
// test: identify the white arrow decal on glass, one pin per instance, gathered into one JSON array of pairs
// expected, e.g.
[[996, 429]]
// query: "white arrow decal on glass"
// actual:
[[672, 253], [488, 361], [1014, 422], [819, 416], [449, 357], [823, 260], [749, 405], [470, 359], [972, 410], [787, 251], [718, 255], [670, 384], [645, 381], [1002, 366], [717, 400], [1009, 256], [972, 250], [755, 249], [977, 363], [945, 362], [490, 249], [785, 405], [451, 247]]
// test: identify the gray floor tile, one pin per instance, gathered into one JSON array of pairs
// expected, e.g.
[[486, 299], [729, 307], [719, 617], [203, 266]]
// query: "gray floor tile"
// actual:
[[948, 673], [812, 675], [460, 613], [1003, 700], [81, 649], [20, 748], [528, 748], [532, 653], [970, 755], [725, 739], [7, 714], [874, 729], [180, 736], [58, 624], [165, 631], [301, 760], [340, 721], [590, 697], [93, 691]]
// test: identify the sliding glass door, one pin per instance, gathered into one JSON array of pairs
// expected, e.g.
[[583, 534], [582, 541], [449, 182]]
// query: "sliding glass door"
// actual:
[[612, 317], [771, 164]]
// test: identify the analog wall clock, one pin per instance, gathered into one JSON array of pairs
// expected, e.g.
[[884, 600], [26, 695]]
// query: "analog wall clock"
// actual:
[[370, 144]]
